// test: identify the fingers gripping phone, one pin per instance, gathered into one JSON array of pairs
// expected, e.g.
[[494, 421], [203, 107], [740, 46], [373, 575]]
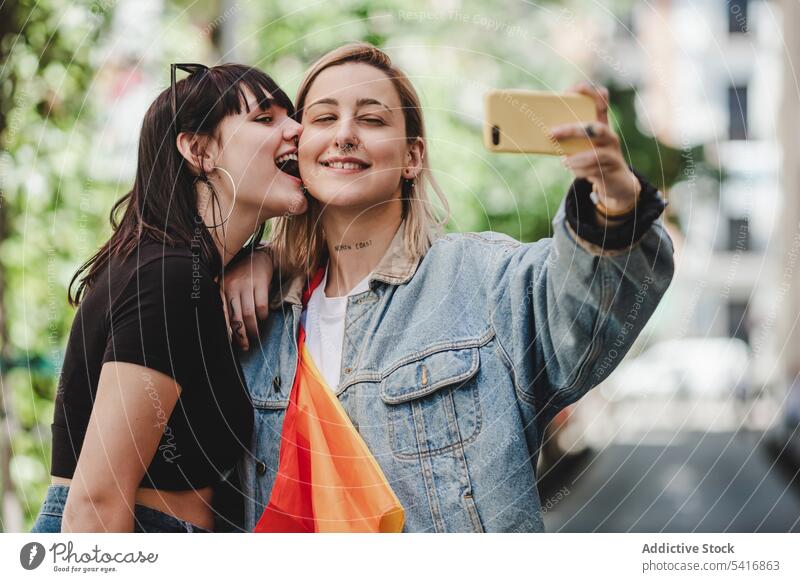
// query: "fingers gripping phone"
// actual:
[[519, 121]]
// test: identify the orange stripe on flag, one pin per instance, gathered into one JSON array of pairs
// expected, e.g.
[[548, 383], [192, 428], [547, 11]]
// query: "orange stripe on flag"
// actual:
[[328, 480]]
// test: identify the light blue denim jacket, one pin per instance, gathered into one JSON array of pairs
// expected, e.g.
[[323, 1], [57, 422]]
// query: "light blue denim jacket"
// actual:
[[453, 364]]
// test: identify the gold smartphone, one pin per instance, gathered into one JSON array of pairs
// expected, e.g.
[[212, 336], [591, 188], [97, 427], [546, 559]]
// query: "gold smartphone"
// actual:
[[519, 121]]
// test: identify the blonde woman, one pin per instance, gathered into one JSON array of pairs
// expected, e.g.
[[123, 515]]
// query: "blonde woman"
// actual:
[[451, 353]]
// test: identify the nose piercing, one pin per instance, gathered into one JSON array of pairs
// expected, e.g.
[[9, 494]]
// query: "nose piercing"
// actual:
[[348, 145]]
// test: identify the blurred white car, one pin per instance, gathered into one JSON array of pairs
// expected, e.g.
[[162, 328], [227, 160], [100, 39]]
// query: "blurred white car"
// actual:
[[689, 367]]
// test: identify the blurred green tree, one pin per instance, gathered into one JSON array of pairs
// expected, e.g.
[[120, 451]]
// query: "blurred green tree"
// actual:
[[45, 51]]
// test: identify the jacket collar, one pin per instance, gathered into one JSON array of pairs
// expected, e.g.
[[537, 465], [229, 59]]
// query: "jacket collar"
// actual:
[[396, 267]]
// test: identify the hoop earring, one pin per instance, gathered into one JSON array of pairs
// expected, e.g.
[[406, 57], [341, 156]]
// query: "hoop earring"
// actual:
[[233, 204], [207, 181]]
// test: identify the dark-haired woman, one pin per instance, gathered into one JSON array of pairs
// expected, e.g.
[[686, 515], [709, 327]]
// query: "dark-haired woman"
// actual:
[[152, 412]]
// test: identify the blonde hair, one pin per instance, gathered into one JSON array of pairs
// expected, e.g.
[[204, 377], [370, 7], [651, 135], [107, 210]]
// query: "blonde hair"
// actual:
[[297, 241]]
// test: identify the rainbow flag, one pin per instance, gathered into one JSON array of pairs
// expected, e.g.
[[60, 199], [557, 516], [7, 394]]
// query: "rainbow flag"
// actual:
[[328, 481]]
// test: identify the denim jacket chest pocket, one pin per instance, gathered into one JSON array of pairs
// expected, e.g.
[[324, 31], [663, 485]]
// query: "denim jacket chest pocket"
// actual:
[[270, 365], [433, 401], [270, 389]]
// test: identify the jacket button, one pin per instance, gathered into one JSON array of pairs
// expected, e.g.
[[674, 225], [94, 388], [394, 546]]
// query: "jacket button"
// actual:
[[348, 370], [276, 383], [261, 468]]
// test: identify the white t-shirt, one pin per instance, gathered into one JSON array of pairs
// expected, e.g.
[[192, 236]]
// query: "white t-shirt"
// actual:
[[324, 325]]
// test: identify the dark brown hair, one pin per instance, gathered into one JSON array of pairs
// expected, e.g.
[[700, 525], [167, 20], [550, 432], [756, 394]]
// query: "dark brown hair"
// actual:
[[162, 204]]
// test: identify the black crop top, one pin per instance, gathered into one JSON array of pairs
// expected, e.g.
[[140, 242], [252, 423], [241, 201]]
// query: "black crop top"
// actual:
[[161, 309]]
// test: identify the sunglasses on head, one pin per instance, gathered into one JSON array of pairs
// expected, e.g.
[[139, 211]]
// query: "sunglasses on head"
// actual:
[[190, 68]]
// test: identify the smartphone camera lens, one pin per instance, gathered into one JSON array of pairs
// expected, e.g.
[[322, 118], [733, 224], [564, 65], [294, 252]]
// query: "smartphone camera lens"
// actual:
[[495, 135]]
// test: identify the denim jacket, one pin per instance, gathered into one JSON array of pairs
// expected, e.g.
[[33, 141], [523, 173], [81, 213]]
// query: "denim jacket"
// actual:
[[453, 364]]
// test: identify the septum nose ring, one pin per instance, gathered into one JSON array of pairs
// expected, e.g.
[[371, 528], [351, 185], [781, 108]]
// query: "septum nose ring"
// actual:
[[346, 147]]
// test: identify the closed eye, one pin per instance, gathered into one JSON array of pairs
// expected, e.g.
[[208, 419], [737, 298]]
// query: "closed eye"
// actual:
[[323, 118], [374, 120]]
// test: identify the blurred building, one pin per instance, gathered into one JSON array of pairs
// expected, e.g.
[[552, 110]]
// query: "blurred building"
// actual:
[[788, 298], [707, 73], [126, 83], [133, 67]]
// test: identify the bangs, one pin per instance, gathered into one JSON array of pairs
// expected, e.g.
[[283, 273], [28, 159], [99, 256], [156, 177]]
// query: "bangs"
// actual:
[[206, 98], [238, 80]]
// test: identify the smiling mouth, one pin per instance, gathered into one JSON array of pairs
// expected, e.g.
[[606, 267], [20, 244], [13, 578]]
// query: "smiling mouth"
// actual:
[[349, 165], [288, 165]]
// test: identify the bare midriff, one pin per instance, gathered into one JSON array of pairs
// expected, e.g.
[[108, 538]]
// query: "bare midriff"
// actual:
[[193, 505]]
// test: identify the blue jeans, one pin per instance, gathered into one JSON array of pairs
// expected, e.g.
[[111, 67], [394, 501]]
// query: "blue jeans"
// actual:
[[145, 519]]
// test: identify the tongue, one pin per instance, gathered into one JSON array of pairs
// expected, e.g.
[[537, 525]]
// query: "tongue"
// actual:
[[290, 167]]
